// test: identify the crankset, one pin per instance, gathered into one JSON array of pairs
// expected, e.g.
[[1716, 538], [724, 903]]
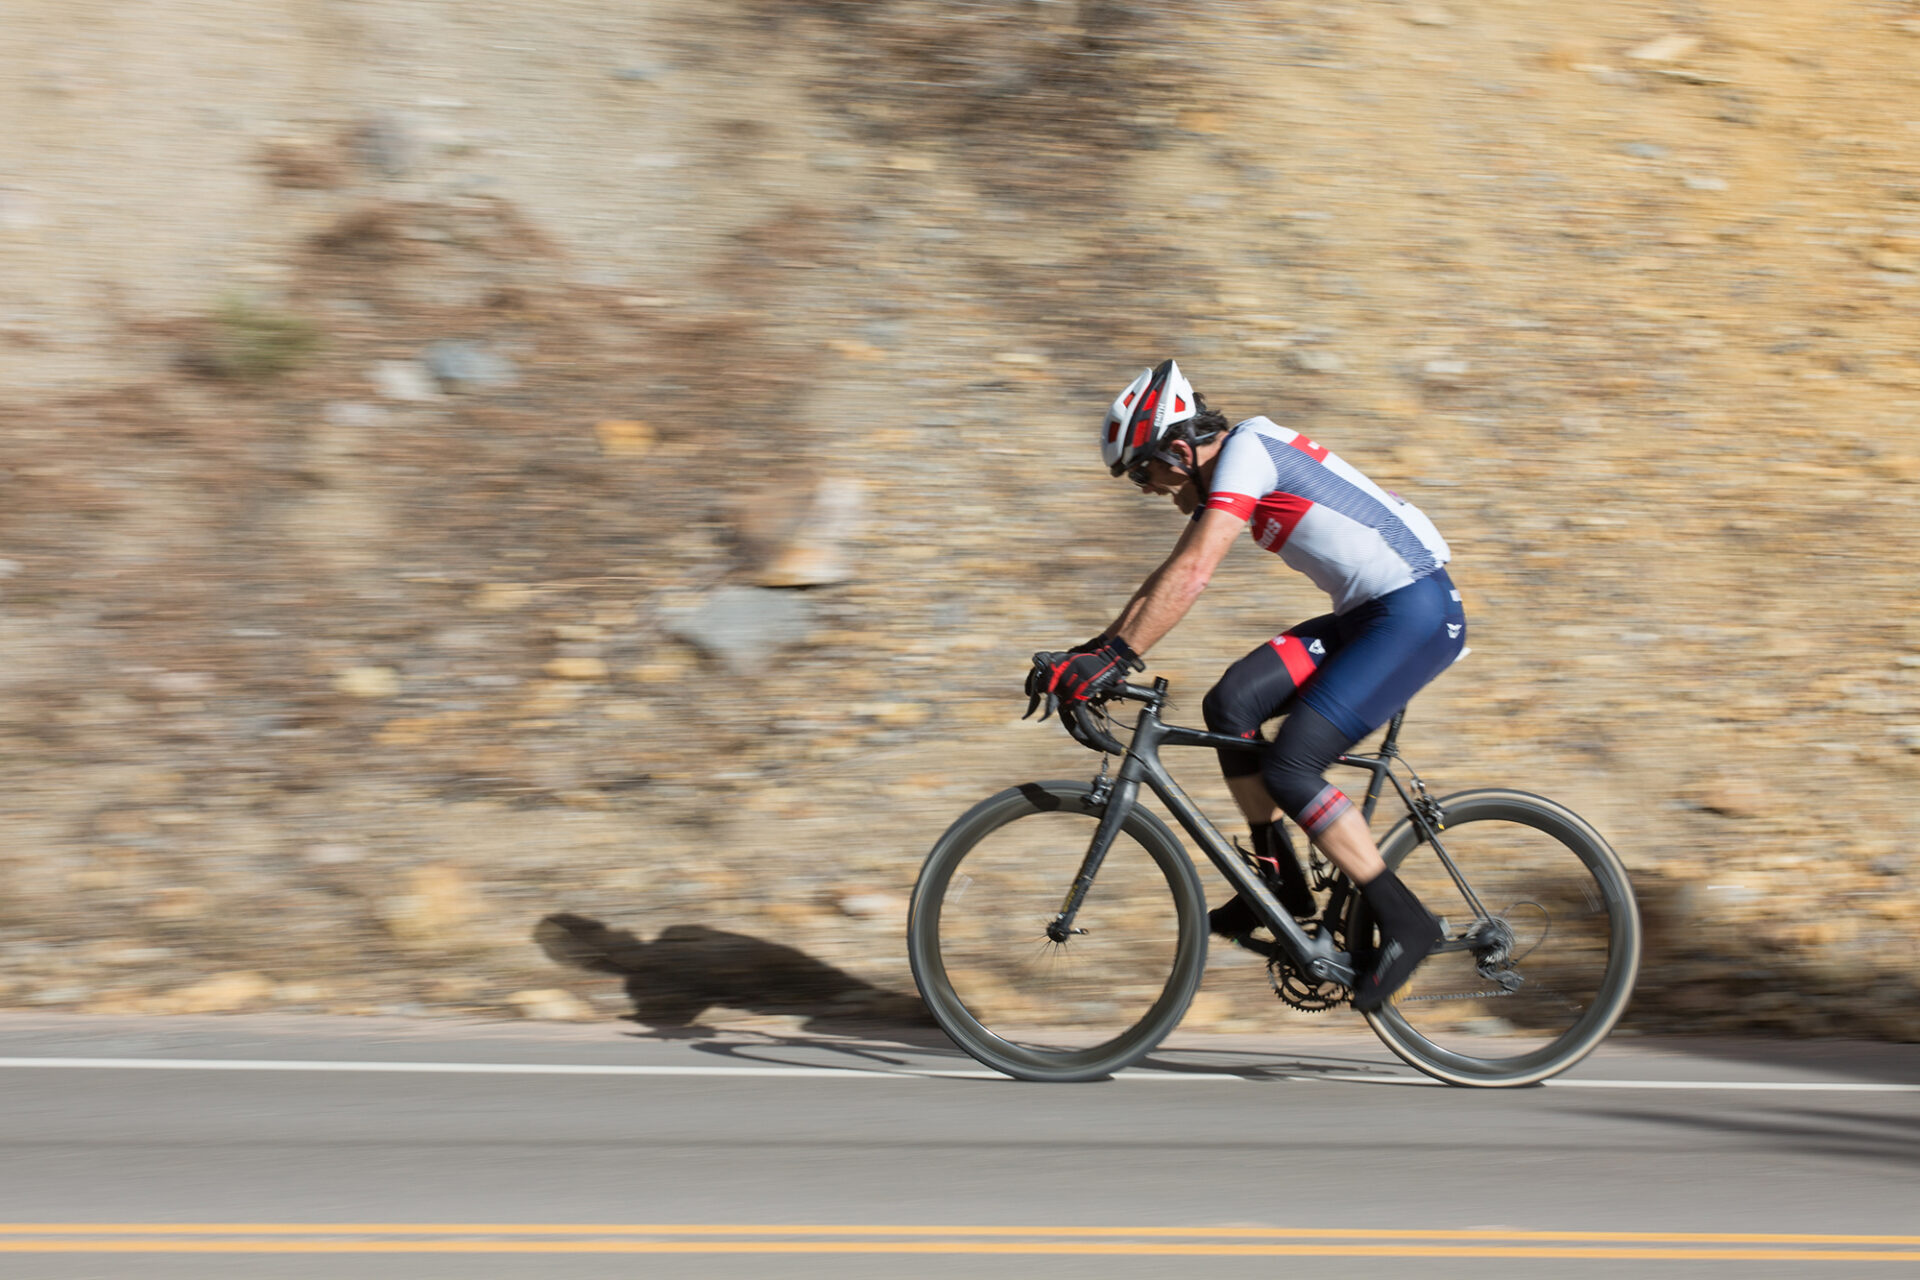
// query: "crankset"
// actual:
[[1308, 994]]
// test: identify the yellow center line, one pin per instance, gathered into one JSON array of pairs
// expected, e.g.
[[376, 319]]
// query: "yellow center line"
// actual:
[[912, 1239], [1088, 1248], [489, 1229]]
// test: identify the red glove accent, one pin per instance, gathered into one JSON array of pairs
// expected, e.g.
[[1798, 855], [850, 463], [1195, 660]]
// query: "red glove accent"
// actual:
[[1079, 676]]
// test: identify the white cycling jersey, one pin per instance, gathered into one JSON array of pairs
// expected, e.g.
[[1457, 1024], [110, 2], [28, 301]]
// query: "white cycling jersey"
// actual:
[[1355, 540]]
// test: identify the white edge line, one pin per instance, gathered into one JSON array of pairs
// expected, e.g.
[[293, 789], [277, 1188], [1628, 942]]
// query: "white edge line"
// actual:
[[855, 1073], [545, 1069], [1788, 1086]]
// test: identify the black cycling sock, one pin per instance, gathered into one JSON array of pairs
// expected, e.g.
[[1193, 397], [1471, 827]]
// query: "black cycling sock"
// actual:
[[1280, 869], [1408, 935]]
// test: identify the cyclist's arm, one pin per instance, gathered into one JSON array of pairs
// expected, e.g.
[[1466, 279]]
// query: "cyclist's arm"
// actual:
[[1169, 591]]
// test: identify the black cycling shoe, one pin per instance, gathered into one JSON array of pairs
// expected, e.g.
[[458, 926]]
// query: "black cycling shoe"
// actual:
[[1232, 919], [1408, 935], [1272, 859]]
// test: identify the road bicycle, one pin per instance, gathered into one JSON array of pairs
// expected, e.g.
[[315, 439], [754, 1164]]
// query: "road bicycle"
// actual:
[[1058, 930]]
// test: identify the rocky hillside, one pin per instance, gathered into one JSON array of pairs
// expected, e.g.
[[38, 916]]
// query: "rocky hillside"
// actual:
[[485, 492]]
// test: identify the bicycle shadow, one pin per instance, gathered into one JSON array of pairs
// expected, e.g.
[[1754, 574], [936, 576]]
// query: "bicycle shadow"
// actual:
[[688, 969]]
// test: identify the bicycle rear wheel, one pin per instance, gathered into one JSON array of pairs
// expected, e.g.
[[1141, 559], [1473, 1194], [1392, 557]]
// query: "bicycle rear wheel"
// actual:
[[1543, 942], [1015, 999]]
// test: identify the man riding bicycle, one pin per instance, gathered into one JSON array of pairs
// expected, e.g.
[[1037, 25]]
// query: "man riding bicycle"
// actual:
[[1397, 622]]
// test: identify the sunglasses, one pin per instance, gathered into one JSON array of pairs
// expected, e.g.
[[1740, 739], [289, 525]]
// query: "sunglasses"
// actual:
[[1139, 472]]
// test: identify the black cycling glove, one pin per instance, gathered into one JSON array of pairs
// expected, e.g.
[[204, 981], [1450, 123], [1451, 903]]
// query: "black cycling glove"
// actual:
[[1080, 673]]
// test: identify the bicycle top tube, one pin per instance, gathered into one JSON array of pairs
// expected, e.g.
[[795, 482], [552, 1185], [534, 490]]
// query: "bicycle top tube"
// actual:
[[1156, 697]]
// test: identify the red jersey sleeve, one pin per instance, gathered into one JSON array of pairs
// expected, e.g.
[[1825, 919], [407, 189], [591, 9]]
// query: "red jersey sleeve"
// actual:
[[1240, 505]]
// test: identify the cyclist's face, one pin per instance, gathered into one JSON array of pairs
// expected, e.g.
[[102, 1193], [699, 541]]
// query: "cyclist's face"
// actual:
[[1163, 477]]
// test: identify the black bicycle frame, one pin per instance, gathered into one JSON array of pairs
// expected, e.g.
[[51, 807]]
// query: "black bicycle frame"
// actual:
[[1316, 956]]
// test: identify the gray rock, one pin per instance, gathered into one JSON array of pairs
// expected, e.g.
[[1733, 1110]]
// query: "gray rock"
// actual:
[[352, 413], [468, 366], [387, 143], [741, 625], [1312, 361], [815, 555], [333, 855], [402, 380]]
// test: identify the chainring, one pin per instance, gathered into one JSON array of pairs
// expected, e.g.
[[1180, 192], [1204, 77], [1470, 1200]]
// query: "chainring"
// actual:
[[1304, 993], [1309, 995]]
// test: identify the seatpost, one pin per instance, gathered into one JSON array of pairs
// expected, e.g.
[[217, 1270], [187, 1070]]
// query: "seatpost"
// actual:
[[1389, 744], [1389, 750]]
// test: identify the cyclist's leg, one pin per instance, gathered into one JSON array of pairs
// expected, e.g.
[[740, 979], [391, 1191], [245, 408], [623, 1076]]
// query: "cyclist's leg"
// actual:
[[1389, 649], [1252, 691]]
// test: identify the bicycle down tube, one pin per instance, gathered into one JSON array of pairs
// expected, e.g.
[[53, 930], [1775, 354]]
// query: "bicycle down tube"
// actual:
[[1316, 956]]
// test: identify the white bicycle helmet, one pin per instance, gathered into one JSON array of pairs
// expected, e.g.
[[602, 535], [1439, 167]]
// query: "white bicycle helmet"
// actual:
[[1151, 412]]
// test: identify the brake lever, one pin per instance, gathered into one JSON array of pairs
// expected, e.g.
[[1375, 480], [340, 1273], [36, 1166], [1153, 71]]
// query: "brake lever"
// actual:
[[1037, 695]]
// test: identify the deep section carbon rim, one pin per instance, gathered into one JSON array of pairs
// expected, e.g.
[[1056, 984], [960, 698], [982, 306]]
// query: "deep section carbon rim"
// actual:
[[1016, 999], [1537, 979]]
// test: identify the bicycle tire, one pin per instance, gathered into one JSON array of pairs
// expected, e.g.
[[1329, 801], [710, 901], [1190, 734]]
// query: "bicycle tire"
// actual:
[[982, 967], [1588, 942]]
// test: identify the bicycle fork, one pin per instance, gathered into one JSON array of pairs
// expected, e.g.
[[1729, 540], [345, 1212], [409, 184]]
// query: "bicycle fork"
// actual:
[[1120, 798]]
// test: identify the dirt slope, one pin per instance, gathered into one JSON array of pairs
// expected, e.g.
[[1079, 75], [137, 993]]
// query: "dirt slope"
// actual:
[[383, 388]]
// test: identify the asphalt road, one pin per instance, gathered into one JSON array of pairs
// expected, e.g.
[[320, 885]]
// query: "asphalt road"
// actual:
[[245, 1147]]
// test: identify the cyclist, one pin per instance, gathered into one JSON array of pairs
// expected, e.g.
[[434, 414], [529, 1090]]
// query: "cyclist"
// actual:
[[1396, 623]]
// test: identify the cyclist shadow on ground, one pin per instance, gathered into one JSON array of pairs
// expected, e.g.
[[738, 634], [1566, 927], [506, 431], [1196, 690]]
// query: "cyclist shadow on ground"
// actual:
[[688, 969]]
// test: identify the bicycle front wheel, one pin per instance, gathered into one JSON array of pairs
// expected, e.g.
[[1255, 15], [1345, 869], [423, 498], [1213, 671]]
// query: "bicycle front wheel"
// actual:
[[1543, 942], [1002, 988]]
